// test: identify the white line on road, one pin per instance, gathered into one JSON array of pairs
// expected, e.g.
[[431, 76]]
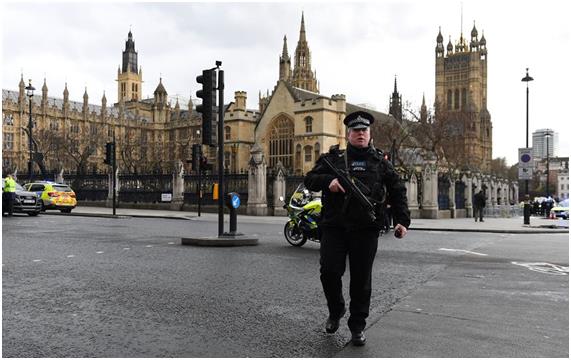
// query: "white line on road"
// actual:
[[463, 251], [545, 268], [99, 252], [149, 246], [126, 248], [70, 256], [36, 260]]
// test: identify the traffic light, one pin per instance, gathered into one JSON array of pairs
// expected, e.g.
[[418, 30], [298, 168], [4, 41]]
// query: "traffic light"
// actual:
[[208, 96], [109, 153], [196, 155]]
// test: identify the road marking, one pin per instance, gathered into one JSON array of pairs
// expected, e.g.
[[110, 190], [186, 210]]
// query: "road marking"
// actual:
[[99, 252], [171, 243], [545, 268], [126, 248], [463, 251], [70, 256], [149, 246], [36, 260]]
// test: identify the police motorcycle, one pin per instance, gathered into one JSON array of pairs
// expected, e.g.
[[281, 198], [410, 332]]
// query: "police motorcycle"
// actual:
[[304, 212]]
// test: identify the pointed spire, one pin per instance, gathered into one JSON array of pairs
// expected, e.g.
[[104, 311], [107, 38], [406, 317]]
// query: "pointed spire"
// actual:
[[65, 93], [104, 99], [395, 84], [439, 36], [284, 51], [302, 30], [85, 96], [45, 86], [21, 83], [190, 102]]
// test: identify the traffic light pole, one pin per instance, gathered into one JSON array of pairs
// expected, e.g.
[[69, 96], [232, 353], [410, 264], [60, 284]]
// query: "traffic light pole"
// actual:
[[199, 183], [221, 186]]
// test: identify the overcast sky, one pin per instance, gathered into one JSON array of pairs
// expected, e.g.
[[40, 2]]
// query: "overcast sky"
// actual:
[[356, 48]]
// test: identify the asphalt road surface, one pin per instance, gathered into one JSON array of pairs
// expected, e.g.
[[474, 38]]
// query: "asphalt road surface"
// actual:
[[100, 287]]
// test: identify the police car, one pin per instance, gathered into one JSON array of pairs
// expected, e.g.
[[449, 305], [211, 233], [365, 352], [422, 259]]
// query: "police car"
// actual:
[[54, 196]]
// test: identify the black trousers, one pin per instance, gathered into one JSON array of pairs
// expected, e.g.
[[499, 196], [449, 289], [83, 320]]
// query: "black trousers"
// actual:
[[361, 247], [8, 202], [478, 212]]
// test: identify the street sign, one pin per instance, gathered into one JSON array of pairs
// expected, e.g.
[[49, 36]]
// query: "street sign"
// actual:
[[525, 173], [235, 201], [525, 158]]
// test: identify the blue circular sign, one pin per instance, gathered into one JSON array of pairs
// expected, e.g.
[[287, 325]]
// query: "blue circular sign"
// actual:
[[525, 158], [235, 201]]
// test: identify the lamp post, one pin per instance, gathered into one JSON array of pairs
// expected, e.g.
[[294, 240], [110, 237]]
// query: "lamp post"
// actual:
[[547, 136], [30, 92], [527, 205], [527, 79]]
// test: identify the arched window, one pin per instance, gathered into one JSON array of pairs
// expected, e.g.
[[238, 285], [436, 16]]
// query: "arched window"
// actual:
[[307, 153], [281, 142], [449, 100], [227, 133], [456, 99], [464, 98], [308, 124], [317, 150]]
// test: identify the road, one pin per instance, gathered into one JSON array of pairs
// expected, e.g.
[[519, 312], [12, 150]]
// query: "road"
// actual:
[[100, 287]]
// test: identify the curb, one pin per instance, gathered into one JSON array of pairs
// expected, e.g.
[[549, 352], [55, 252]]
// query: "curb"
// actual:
[[499, 231], [173, 217]]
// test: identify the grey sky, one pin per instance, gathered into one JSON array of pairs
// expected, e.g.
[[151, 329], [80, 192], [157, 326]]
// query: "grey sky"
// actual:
[[356, 48]]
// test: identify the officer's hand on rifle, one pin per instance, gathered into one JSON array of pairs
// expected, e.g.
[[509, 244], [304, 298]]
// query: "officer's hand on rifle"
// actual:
[[400, 231], [335, 186]]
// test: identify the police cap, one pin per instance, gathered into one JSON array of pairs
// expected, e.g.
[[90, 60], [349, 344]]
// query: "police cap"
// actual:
[[359, 120]]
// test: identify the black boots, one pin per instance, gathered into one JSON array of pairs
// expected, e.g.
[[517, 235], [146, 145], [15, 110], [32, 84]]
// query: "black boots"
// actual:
[[358, 338], [333, 323]]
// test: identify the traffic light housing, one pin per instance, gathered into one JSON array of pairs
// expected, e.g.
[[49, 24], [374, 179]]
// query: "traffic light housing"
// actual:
[[208, 96], [109, 153]]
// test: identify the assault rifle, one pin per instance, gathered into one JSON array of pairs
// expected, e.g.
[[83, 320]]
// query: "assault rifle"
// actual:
[[352, 189]]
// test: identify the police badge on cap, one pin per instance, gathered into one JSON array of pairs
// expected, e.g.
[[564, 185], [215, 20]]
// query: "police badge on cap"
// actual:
[[359, 120]]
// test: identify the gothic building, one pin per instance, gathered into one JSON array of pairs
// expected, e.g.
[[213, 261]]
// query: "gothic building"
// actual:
[[150, 134], [461, 98]]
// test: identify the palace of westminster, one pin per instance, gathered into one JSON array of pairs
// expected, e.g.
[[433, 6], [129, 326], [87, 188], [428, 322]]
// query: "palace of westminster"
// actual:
[[293, 124]]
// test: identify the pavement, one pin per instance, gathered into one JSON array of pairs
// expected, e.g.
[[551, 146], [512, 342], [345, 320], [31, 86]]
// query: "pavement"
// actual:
[[512, 225]]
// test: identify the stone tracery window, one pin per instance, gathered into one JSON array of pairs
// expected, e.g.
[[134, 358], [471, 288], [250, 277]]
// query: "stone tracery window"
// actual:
[[281, 142], [308, 124]]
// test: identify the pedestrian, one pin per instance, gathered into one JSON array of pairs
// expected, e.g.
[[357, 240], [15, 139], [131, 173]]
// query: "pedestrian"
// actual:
[[348, 229], [8, 195], [479, 205]]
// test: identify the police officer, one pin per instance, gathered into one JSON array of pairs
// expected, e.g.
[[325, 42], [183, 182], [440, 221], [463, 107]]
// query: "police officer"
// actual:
[[8, 194], [347, 231]]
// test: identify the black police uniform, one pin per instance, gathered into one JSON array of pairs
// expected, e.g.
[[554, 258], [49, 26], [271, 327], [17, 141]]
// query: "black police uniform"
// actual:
[[347, 231]]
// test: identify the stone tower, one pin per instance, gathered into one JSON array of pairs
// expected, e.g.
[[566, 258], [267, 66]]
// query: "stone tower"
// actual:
[[461, 97], [395, 103], [303, 77], [129, 78]]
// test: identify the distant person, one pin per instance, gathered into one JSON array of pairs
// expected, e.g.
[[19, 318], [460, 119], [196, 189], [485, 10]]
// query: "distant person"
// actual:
[[479, 205], [8, 195]]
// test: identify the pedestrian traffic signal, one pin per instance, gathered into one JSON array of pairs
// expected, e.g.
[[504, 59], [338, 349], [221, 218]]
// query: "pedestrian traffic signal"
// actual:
[[207, 108], [109, 153]]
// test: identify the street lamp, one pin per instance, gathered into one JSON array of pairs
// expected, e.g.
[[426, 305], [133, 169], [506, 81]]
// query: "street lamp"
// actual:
[[527, 205], [527, 79], [30, 92], [547, 136]]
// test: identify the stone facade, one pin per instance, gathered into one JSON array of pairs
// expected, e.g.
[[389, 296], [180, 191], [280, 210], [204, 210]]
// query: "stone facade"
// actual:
[[461, 92]]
